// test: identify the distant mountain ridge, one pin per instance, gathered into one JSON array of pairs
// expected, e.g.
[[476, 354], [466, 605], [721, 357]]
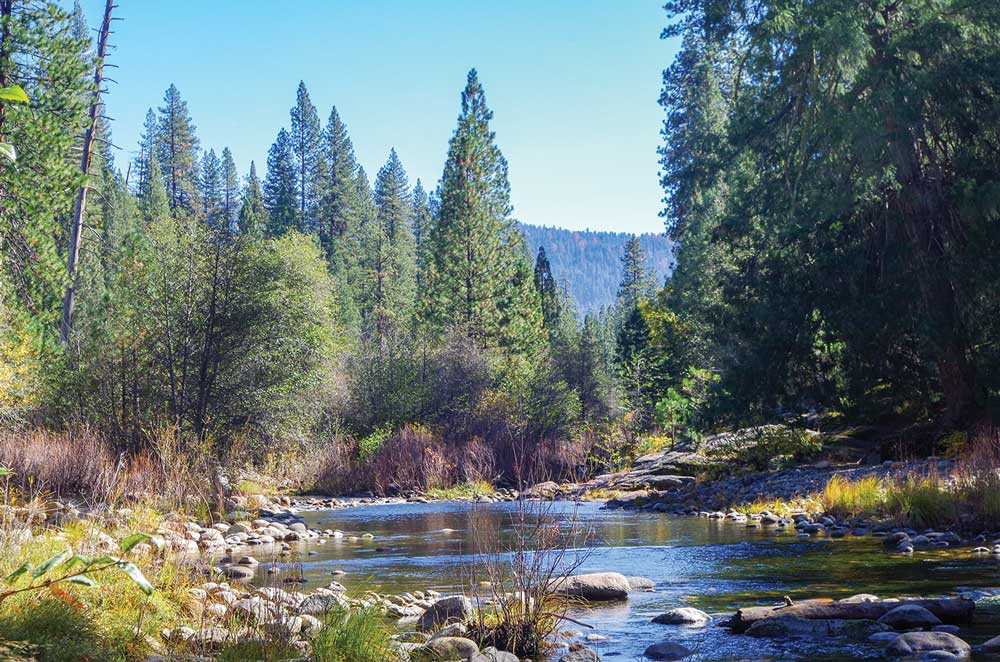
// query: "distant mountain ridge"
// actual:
[[589, 262]]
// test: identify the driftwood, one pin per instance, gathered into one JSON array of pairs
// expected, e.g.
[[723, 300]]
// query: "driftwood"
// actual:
[[949, 610]]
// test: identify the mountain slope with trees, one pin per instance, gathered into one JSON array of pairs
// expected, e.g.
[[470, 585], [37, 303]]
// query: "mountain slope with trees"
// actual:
[[588, 262]]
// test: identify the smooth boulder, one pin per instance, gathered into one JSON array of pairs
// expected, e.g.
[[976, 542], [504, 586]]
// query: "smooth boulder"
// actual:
[[580, 655], [450, 648], [665, 651], [452, 609], [782, 627], [683, 616], [907, 617], [594, 587], [918, 643]]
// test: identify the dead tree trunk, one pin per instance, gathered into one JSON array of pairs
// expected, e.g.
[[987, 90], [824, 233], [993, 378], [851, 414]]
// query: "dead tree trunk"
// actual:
[[949, 610], [81, 198]]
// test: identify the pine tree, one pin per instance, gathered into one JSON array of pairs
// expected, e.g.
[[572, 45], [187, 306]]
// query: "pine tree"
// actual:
[[637, 284], [280, 188], [153, 200], [253, 214], [148, 142], [211, 188], [39, 53], [388, 253], [177, 150], [421, 224], [230, 190], [339, 197], [480, 279], [545, 284], [307, 158]]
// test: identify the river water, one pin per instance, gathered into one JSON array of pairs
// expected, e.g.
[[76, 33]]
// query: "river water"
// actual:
[[712, 565]]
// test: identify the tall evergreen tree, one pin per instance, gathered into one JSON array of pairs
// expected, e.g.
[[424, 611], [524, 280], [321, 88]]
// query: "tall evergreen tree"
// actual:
[[479, 278], [339, 196], [153, 200], [388, 252], [637, 284], [545, 284], [253, 213], [177, 151], [307, 158], [280, 187], [230, 190], [421, 224], [148, 142], [211, 188]]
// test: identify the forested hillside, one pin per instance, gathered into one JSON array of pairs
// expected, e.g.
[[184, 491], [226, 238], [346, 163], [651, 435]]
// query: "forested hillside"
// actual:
[[589, 262]]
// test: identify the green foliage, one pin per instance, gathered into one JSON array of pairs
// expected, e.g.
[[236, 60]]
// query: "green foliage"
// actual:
[[281, 187], [761, 448], [478, 277], [833, 195], [358, 635], [177, 152]]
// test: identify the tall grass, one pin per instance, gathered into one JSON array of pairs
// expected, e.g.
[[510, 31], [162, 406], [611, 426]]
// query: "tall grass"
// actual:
[[846, 498], [359, 635]]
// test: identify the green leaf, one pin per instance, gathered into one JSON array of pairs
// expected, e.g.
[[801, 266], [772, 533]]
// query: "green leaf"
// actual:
[[133, 540], [6, 471], [49, 564], [136, 575], [23, 568], [8, 152], [104, 560], [76, 560], [82, 579], [15, 94]]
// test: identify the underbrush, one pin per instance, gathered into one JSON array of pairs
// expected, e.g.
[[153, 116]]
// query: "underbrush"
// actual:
[[469, 490]]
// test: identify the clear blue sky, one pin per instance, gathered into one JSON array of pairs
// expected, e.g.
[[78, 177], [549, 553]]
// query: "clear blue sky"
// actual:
[[573, 86]]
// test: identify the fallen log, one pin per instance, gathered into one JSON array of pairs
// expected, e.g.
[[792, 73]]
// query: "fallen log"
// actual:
[[949, 610]]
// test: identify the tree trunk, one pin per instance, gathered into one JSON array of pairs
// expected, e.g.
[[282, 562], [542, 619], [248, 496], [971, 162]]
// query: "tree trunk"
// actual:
[[81, 199]]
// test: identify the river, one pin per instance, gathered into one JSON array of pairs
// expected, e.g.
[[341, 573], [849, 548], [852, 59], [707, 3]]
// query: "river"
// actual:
[[713, 565]]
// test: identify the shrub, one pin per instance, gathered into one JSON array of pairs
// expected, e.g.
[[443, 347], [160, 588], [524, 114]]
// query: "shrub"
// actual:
[[922, 501], [762, 447]]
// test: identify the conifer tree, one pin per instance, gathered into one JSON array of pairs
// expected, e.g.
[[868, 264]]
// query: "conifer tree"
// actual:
[[421, 223], [253, 214], [388, 253], [339, 196], [230, 190], [307, 158], [211, 188], [637, 284], [545, 284], [480, 279], [147, 150], [153, 201], [177, 150], [280, 187]]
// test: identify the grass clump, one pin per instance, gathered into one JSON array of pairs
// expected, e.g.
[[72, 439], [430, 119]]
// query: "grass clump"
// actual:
[[468, 490], [359, 635], [852, 498], [922, 501]]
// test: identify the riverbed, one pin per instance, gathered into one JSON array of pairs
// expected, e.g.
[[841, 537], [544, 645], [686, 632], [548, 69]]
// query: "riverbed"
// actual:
[[716, 566]]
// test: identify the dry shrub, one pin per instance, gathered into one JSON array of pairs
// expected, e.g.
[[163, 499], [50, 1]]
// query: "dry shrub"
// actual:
[[978, 476], [412, 459], [80, 462]]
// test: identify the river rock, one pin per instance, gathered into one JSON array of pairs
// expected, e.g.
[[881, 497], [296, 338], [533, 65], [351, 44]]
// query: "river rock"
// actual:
[[918, 643], [322, 603], [582, 654], [640, 583], [906, 617], [665, 651], [594, 587], [780, 627], [450, 648], [238, 572], [213, 638], [453, 609], [491, 654], [683, 616]]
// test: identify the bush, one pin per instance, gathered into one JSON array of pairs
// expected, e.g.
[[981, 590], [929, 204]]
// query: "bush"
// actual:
[[763, 447], [355, 636]]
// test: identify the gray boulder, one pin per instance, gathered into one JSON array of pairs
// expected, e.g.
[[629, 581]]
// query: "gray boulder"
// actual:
[[907, 617], [781, 627], [491, 654], [451, 648], [640, 583], [920, 643], [452, 609], [683, 616], [665, 651], [583, 654], [593, 587]]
